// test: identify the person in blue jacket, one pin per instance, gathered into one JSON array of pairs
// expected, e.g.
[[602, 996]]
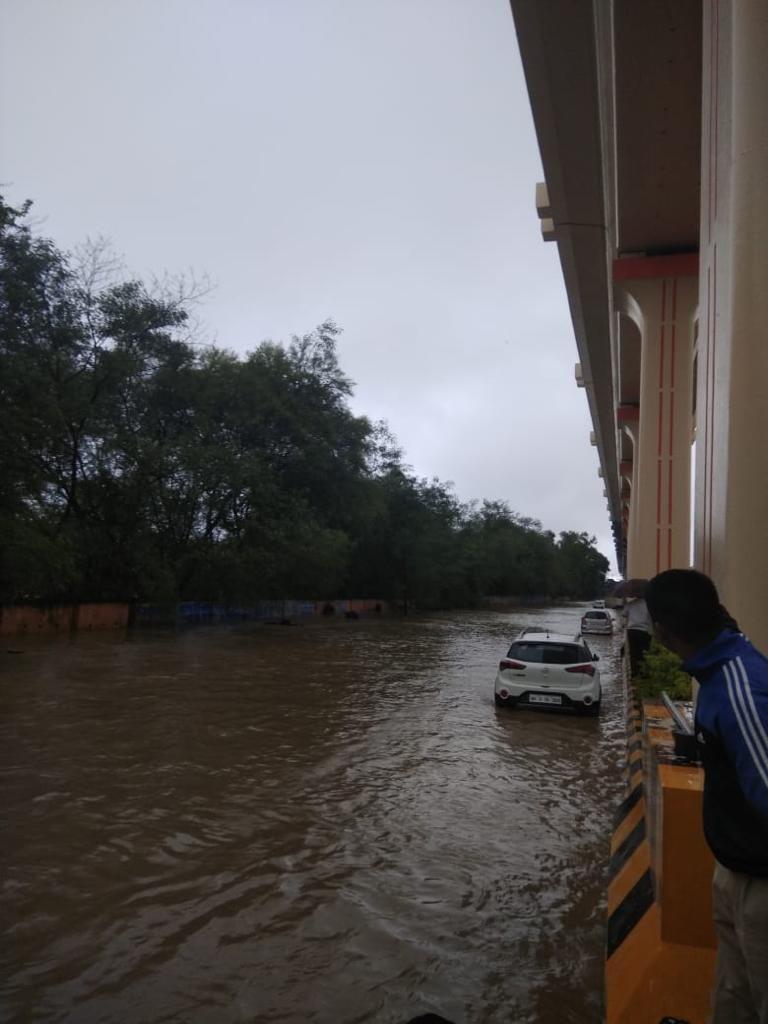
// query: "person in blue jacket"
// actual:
[[732, 730]]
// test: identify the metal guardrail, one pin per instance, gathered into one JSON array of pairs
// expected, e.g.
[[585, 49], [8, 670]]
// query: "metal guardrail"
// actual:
[[681, 720], [683, 734]]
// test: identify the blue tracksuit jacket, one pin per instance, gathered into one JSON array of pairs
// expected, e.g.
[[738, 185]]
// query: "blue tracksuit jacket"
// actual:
[[732, 728]]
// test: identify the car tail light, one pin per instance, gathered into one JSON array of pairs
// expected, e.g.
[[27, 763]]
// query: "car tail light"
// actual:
[[508, 663], [588, 670]]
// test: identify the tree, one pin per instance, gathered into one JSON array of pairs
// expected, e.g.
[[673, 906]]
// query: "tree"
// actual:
[[138, 465], [582, 567], [74, 367]]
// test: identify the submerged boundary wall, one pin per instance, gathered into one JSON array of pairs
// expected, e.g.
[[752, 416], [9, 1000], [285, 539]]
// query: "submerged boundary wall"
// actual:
[[18, 620], [660, 944], [201, 612]]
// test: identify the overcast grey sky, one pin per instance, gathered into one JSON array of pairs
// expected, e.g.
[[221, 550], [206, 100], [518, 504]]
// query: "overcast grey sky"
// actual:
[[371, 161]]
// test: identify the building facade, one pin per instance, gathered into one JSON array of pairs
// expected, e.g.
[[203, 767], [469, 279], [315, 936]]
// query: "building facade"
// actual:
[[652, 121]]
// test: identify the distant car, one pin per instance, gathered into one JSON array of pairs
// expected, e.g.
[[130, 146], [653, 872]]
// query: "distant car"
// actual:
[[549, 670], [595, 621], [600, 603]]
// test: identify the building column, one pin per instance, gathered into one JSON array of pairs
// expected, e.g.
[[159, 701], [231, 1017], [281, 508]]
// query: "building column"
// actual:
[[628, 418], [660, 293], [732, 403], [626, 472]]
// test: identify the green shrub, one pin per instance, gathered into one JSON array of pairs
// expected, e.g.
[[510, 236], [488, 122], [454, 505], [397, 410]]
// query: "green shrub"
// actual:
[[661, 670]]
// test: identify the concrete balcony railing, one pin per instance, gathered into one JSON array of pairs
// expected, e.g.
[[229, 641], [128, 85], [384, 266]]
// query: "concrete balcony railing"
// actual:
[[661, 944]]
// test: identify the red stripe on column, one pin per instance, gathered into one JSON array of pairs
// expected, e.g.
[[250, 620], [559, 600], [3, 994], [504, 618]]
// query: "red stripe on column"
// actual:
[[712, 403], [660, 421], [716, 105], [661, 364], [671, 418], [706, 432], [711, 135], [680, 264], [674, 324], [669, 485]]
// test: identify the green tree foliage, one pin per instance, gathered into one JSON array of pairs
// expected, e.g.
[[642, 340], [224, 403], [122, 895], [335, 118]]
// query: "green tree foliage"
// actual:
[[582, 566], [137, 465]]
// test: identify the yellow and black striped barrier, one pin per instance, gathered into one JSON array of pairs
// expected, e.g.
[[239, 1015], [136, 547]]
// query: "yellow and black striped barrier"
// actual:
[[659, 964]]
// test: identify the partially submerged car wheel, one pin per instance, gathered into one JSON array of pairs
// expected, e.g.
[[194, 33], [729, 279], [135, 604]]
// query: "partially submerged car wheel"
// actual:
[[504, 702]]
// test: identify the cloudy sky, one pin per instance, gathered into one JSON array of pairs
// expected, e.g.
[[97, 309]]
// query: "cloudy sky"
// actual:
[[370, 161]]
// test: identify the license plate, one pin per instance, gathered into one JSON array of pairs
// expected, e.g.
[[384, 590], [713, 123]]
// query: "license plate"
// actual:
[[544, 698]]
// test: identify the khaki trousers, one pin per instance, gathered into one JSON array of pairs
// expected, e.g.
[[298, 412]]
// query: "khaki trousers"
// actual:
[[740, 906]]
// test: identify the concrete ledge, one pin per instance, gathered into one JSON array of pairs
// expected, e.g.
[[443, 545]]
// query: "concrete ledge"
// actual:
[[683, 864], [660, 953]]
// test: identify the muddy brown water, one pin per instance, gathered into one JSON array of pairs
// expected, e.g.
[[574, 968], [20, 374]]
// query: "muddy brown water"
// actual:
[[327, 823]]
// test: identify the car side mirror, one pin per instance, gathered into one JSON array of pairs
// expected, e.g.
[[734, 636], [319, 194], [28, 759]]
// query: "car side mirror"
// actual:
[[595, 657]]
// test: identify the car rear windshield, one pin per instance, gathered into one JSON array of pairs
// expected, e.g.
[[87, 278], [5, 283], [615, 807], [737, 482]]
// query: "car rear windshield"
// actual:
[[596, 615], [547, 653]]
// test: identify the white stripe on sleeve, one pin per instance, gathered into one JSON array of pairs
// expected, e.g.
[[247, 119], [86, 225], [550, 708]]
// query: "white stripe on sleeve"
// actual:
[[754, 717], [737, 699]]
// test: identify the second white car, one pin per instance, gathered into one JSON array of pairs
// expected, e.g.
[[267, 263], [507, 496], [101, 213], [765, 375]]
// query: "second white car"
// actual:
[[595, 621]]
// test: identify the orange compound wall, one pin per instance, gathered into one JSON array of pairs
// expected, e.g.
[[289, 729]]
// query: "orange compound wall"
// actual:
[[27, 619], [101, 616]]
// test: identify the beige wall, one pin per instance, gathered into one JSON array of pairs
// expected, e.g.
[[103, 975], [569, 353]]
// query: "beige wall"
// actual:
[[731, 512], [663, 308]]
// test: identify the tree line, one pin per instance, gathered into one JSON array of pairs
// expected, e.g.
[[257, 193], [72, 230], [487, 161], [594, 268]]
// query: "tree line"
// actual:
[[137, 464]]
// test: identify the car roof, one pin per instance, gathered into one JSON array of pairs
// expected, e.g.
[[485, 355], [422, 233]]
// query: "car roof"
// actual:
[[554, 638]]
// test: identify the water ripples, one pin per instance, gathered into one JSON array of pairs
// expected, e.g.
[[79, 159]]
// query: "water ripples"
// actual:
[[327, 824]]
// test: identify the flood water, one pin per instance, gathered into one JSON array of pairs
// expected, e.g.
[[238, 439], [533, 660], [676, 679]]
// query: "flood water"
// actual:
[[326, 823]]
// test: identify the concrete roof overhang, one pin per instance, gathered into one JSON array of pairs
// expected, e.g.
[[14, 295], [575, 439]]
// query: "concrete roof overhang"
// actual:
[[558, 49], [657, 68], [615, 90]]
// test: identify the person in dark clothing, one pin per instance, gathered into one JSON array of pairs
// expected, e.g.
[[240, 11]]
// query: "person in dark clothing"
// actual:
[[639, 630], [429, 1018], [732, 730]]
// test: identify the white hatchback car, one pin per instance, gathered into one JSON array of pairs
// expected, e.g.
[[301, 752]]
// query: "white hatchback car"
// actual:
[[599, 622], [549, 670]]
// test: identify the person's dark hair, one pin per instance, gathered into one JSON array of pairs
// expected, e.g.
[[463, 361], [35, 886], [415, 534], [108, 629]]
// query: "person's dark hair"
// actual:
[[429, 1018], [686, 603]]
